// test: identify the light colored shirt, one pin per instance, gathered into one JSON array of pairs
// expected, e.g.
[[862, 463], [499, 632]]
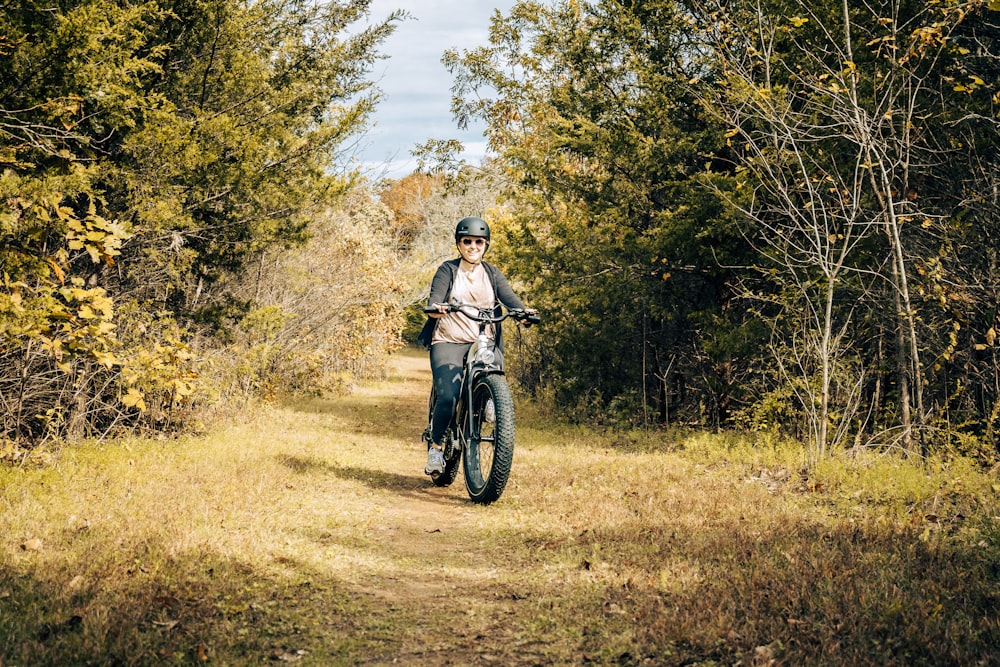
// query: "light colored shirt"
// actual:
[[472, 287]]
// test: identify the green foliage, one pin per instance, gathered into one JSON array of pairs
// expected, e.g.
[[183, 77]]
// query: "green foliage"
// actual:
[[844, 125], [147, 152], [414, 322], [613, 233], [159, 369], [706, 193], [260, 98]]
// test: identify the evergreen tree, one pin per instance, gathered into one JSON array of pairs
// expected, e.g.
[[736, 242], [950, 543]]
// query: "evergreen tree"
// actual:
[[618, 239], [147, 151]]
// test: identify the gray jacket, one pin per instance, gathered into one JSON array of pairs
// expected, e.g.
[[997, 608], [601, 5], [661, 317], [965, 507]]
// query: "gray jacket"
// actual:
[[441, 286]]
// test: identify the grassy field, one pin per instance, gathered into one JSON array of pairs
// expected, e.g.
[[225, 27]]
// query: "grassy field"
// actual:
[[308, 534]]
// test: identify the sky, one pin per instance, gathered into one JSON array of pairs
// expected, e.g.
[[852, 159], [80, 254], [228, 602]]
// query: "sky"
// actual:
[[416, 87]]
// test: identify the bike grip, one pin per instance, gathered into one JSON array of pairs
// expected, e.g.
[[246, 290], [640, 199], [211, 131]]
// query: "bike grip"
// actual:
[[526, 317]]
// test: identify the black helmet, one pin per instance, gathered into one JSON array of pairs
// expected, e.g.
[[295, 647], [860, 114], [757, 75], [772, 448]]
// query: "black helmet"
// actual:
[[472, 226]]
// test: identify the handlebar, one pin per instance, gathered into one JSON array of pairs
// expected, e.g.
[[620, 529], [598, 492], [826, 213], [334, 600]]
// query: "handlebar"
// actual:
[[486, 314]]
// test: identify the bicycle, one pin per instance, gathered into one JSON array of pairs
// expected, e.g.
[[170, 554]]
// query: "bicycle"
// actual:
[[481, 432]]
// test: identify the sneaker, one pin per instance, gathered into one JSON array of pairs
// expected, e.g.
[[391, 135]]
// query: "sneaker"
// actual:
[[435, 462], [490, 412]]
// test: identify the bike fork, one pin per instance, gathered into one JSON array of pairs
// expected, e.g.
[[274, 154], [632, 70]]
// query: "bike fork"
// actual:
[[468, 417]]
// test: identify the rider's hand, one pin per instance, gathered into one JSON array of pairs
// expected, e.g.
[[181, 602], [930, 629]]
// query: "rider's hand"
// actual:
[[441, 308]]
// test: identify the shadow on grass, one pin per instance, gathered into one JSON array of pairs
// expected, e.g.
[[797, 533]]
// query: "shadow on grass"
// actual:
[[633, 593], [802, 594], [375, 479], [195, 608], [414, 486]]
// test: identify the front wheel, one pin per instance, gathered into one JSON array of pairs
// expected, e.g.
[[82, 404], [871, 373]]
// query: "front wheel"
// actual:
[[489, 439]]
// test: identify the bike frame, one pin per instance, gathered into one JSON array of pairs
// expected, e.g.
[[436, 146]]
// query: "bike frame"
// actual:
[[478, 363], [475, 368], [486, 436]]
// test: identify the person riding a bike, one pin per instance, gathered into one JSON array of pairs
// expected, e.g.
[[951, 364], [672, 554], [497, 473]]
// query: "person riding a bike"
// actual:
[[449, 335]]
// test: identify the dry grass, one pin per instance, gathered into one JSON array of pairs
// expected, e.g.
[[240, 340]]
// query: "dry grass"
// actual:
[[309, 535]]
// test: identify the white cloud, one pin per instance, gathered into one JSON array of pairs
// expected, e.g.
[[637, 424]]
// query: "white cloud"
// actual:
[[416, 87]]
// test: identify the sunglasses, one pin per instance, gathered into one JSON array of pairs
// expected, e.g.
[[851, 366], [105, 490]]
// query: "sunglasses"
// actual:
[[468, 241]]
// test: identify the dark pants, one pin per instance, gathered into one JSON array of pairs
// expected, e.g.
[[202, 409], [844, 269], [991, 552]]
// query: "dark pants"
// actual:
[[447, 369]]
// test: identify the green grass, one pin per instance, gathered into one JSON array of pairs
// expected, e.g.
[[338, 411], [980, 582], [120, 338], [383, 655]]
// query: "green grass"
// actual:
[[310, 535]]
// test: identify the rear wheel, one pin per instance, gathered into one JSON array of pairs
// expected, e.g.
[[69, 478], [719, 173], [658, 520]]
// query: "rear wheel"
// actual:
[[489, 440], [452, 453]]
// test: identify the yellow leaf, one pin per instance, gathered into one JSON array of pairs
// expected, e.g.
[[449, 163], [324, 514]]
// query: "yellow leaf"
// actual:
[[101, 328], [106, 359], [798, 21], [104, 304], [133, 399]]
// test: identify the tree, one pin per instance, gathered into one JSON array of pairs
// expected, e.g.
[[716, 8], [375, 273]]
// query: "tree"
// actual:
[[322, 314], [700, 185], [55, 225], [258, 100], [589, 108], [836, 113], [148, 152], [406, 198]]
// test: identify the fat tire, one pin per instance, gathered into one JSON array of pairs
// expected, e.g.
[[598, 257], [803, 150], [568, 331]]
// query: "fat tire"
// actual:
[[452, 454], [489, 447]]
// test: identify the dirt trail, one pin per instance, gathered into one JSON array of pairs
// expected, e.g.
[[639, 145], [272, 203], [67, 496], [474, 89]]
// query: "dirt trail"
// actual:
[[439, 592]]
